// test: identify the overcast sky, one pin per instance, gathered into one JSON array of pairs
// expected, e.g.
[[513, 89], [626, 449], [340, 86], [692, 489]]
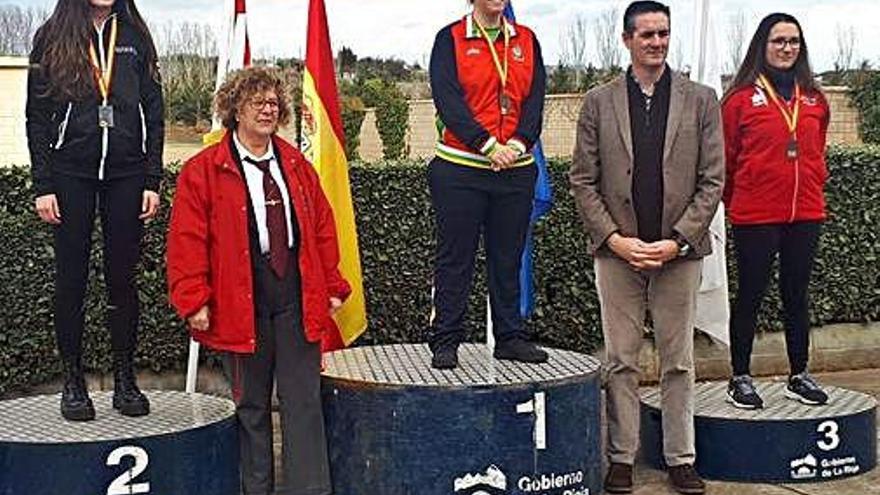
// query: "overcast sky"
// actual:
[[405, 28]]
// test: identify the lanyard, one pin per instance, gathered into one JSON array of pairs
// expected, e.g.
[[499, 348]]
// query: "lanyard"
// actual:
[[790, 116], [502, 70], [103, 68]]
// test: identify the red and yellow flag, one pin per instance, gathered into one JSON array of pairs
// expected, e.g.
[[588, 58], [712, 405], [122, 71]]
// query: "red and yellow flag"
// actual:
[[323, 146]]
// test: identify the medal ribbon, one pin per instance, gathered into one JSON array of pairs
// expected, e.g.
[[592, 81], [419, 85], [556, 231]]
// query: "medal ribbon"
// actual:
[[502, 70], [790, 116], [104, 68]]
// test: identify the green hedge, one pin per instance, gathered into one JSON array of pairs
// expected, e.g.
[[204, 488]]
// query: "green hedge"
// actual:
[[396, 235]]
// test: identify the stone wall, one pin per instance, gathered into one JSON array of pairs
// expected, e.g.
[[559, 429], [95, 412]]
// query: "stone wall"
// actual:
[[560, 117], [13, 94], [560, 120]]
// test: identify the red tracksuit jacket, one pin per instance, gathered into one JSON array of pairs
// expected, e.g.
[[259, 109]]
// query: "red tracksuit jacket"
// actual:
[[209, 259], [763, 185]]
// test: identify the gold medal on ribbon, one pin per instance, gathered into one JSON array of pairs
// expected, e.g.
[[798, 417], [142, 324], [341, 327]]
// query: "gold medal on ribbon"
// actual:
[[504, 101], [790, 115]]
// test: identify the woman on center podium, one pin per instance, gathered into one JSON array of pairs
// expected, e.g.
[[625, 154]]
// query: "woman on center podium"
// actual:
[[253, 269], [487, 82]]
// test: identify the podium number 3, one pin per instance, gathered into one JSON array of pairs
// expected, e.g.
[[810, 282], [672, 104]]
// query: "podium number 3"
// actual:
[[831, 438], [124, 483], [538, 407]]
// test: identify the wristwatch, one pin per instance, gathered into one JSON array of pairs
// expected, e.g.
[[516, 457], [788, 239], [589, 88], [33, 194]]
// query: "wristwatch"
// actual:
[[683, 247]]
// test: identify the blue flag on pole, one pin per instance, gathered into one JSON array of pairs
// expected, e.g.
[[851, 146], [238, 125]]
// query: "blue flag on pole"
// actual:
[[541, 204]]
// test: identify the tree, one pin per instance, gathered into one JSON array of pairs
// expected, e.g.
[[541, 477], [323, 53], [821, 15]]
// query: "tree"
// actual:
[[17, 28], [347, 60], [845, 48], [736, 41], [574, 47], [607, 39]]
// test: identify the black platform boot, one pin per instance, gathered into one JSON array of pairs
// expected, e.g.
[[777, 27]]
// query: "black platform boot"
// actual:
[[127, 397], [75, 402]]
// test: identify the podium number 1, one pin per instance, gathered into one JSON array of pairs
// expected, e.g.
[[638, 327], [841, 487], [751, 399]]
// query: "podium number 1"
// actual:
[[538, 407], [124, 483]]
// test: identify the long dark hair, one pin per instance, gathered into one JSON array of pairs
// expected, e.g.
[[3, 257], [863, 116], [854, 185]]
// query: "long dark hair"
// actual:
[[755, 61], [63, 41]]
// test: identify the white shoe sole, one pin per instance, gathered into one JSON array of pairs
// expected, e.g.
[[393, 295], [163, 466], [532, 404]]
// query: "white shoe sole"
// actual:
[[793, 396], [740, 405]]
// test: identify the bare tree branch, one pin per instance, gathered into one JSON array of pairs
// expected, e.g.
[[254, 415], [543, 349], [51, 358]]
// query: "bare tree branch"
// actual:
[[844, 52], [607, 39], [736, 41], [17, 28]]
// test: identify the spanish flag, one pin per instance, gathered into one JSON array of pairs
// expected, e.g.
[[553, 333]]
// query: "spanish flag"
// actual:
[[322, 144]]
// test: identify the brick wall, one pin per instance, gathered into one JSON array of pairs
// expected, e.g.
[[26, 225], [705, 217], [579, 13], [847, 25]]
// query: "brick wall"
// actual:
[[560, 118], [13, 88], [560, 121]]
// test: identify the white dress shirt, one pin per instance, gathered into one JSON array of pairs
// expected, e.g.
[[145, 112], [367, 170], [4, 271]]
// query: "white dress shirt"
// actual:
[[254, 178]]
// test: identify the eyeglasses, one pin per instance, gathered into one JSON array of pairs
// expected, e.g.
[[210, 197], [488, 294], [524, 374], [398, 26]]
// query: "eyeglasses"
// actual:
[[259, 104], [779, 43]]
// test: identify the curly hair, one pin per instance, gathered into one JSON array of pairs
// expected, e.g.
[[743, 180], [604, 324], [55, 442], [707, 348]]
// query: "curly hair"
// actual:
[[242, 85]]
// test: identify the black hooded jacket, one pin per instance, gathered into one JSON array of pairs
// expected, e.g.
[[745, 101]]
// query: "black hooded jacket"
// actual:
[[64, 137]]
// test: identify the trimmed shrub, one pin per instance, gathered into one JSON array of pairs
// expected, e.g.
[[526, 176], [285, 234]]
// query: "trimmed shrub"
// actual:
[[396, 231]]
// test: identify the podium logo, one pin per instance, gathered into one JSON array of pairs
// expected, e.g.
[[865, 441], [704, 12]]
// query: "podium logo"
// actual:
[[805, 468], [492, 482]]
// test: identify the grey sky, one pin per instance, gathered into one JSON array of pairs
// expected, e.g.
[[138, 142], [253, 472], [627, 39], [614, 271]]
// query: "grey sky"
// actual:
[[405, 28]]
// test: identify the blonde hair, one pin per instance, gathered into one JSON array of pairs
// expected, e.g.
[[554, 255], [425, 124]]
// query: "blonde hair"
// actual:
[[242, 85]]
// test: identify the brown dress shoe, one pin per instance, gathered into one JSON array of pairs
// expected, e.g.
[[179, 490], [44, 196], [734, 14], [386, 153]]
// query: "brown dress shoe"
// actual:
[[684, 479], [619, 478]]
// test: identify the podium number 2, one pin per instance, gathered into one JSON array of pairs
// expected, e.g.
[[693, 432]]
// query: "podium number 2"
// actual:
[[831, 438], [538, 407], [124, 483]]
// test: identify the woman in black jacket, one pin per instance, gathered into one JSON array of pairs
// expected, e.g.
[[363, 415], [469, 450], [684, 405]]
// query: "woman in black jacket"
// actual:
[[95, 132]]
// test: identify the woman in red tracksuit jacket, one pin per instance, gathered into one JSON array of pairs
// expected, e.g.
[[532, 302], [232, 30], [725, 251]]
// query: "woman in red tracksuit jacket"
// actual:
[[775, 123], [487, 82]]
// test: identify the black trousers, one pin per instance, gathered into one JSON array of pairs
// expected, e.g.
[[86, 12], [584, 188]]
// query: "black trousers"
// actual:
[[282, 356], [118, 202], [756, 249], [468, 201]]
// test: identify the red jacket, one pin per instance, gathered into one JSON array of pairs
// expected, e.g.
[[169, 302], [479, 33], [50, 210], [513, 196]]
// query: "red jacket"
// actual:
[[763, 185], [466, 89], [209, 258]]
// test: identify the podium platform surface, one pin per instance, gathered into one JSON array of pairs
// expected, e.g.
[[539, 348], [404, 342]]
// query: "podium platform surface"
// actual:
[[410, 365], [188, 444], [786, 441], [396, 426], [37, 419]]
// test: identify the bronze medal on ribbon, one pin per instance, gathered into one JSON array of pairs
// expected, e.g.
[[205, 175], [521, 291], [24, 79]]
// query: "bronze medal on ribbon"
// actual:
[[791, 151]]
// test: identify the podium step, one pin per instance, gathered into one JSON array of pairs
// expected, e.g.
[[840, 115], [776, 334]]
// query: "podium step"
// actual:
[[396, 426], [186, 445], [787, 441]]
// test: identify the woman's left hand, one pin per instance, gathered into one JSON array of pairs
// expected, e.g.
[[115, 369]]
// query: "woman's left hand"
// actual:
[[335, 304], [149, 205]]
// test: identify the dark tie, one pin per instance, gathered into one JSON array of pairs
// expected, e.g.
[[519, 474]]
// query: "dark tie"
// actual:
[[276, 219]]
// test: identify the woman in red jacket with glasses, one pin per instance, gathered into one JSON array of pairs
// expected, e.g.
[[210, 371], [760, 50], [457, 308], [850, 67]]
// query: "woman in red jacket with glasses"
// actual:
[[775, 123]]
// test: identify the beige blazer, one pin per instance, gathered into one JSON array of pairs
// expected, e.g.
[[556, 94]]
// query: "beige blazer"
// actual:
[[693, 164]]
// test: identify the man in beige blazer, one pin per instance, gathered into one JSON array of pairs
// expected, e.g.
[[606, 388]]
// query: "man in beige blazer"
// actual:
[[647, 176]]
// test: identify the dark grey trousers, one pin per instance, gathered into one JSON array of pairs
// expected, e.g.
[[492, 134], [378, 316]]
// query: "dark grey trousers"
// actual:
[[283, 356]]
